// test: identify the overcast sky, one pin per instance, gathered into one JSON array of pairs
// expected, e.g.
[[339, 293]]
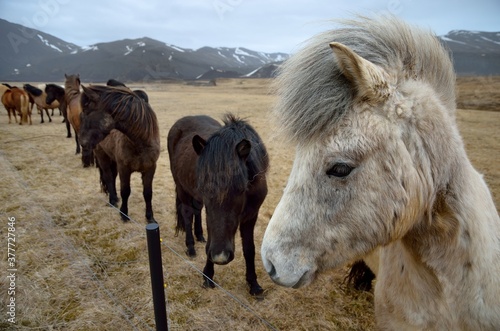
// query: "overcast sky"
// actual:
[[260, 25]]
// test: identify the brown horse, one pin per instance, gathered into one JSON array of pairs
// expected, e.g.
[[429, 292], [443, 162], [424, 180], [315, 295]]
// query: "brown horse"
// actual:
[[15, 99], [39, 98], [223, 168], [73, 107], [122, 130]]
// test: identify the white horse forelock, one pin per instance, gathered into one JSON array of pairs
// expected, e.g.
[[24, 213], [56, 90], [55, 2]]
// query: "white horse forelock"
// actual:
[[313, 94]]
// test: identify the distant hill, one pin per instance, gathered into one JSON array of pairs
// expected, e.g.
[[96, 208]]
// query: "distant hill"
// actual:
[[31, 55], [474, 52]]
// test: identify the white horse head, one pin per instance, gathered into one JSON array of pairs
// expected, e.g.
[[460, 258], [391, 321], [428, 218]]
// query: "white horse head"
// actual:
[[380, 164]]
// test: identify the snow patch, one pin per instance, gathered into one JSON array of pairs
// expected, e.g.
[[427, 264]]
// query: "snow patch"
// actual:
[[455, 41], [238, 59], [90, 48], [46, 42], [176, 48], [129, 50], [491, 41]]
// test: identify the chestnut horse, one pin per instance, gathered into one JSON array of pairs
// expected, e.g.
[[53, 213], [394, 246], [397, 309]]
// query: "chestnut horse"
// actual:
[[223, 168], [17, 100], [122, 130], [74, 108], [380, 166]]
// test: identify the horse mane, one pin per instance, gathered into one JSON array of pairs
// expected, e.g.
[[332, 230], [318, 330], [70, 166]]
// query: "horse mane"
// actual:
[[126, 107], [54, 87], [33, 90], [114, 82], [313, 93], [221, 172]]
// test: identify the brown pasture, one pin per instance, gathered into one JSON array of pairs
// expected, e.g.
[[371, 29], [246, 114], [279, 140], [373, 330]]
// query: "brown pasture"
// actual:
[[79, 267]]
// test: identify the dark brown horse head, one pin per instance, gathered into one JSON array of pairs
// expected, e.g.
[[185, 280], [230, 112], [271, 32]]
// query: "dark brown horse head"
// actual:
[[95, 124], [228, 168], [54, 92]]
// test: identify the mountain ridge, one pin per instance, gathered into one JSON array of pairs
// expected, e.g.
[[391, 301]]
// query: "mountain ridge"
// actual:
[[31, 55]]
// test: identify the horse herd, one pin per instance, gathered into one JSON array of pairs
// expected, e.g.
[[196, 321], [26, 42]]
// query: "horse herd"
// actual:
[[380, 171]]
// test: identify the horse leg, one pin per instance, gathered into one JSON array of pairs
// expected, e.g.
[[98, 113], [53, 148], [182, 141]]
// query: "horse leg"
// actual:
[[246, 231], [47, 112], [147, 193], [8, 113], [40, 111], [186, 217], [198, 229], [124, 192], [68, 128], [77, 143], [208, 274], [65, 120]]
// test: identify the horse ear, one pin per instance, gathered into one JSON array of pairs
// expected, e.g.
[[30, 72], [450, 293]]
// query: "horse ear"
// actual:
[[243, 148], [370, 80], [199, 144]]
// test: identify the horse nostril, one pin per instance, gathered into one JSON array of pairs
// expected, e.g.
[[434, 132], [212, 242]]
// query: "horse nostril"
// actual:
[[272, 272]]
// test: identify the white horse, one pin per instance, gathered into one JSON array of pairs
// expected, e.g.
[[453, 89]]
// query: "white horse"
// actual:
[[380, 164]]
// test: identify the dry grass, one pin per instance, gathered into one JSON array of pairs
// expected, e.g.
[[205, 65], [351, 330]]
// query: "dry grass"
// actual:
[[81, 268]]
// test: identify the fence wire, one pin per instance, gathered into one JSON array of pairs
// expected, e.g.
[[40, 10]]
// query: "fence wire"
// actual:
[[125, 310]]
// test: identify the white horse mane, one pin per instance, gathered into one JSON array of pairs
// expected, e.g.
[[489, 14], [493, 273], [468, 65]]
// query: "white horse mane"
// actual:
[[313, 93]]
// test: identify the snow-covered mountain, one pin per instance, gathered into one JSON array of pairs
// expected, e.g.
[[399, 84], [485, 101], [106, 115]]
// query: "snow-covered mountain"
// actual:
[[32, 55], [474, 52]]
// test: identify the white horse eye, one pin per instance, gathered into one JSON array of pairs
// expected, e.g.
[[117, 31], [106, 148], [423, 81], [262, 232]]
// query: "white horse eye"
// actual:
[[339, 170]]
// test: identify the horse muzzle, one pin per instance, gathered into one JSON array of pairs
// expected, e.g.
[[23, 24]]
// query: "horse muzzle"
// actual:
[[223, 257]]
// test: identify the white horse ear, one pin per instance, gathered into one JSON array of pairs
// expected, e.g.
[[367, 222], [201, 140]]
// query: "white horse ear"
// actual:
[[370, 80]]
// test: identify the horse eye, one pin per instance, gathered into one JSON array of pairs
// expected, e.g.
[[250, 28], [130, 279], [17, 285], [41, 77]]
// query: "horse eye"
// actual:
[[339, 170]]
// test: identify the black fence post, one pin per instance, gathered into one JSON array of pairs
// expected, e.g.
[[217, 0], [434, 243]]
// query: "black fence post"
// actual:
[[156, 270]]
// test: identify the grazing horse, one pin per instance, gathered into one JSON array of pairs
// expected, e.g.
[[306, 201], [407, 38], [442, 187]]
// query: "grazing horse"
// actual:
[[223, 168], [17, 100], [56, 92], [39, 97], [123, 132], [73, 107], [380, 164]]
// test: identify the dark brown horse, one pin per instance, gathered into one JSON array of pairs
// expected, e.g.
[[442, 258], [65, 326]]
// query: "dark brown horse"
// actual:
[[56, 92], [223, 168], [123, 132]]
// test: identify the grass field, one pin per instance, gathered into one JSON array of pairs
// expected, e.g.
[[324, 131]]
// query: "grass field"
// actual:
[[79, 267]]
